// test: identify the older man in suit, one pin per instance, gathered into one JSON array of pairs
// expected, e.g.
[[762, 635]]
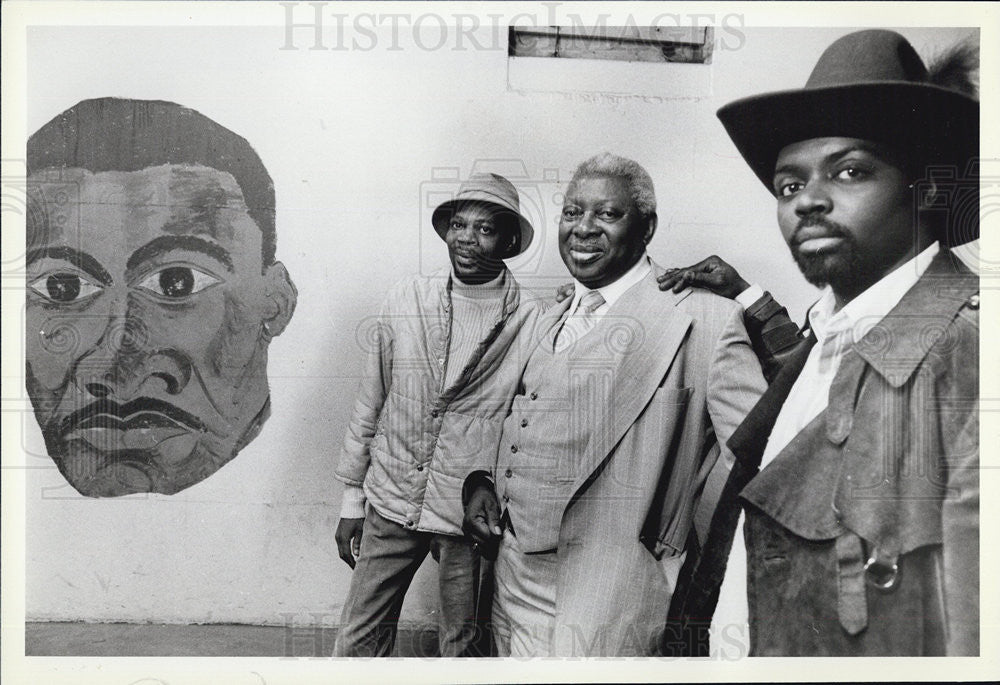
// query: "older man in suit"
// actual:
[[624, 395], [858, 470]]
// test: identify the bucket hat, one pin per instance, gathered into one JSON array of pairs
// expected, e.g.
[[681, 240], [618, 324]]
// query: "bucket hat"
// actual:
[[493, 189], [870, 85]]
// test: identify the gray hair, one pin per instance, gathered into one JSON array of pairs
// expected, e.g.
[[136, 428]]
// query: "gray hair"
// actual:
[[640, 183]]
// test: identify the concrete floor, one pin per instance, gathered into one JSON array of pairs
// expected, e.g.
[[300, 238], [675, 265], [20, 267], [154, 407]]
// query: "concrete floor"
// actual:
[[127, 639]]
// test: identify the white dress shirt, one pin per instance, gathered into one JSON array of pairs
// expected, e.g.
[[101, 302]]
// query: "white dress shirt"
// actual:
[[611, 292], [836, 332]]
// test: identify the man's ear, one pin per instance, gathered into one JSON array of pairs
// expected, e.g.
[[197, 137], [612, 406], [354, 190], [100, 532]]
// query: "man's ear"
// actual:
[[650, 229], [511, 249], [282, 297]]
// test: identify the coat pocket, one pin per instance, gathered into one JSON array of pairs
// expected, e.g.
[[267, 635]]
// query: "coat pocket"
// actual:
[[668, 395]]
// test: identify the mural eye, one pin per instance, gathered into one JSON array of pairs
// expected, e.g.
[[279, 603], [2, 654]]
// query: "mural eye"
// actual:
[[64, 287], [176, 282]]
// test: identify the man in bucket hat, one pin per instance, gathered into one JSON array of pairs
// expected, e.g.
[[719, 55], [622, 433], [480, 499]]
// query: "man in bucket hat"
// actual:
[[431, 400], [857, 472]]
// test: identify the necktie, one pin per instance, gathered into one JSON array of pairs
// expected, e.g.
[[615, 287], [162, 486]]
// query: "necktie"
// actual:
[[581, 321]]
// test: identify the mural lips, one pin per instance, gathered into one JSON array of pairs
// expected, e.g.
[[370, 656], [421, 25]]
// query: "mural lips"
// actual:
[[142, 423]]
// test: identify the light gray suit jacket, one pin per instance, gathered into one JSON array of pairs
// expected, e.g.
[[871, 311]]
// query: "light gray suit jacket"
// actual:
[[683, 377]]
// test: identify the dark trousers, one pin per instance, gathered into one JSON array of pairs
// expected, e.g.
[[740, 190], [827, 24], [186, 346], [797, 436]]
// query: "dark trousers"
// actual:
[[390, 556]]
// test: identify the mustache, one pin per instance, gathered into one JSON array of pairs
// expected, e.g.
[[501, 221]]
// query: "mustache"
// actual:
[[142, 412], [478, 256], [832, 229], [584, 245]]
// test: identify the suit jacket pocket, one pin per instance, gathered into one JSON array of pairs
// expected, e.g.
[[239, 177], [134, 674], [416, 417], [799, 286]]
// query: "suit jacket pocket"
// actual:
[[672, 395]]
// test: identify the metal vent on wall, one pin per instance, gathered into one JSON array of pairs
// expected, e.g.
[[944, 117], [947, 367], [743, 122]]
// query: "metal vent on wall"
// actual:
[[619, 43]]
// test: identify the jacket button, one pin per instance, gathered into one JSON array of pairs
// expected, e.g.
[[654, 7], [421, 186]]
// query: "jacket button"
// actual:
[[524, 422], [533, 395], [508, 473], [420, 467], [513, 448], [409, 523]]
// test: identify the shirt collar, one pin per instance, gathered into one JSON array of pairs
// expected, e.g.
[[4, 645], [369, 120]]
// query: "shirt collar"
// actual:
[[862, 313], [613, 291]]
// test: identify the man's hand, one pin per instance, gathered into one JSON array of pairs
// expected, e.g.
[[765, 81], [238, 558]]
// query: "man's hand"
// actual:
[[482, 521], [712, 274], [348, 538], [564, 291], [482, 516]]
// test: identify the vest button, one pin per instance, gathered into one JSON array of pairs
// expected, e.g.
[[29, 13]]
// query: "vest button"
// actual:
[[533, 395], [513, 448], [508, 473], [524, 422], [506, 498], [420, 467], [434, 413]]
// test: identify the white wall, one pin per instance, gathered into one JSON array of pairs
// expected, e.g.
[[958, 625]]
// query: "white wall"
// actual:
[[352, 139]]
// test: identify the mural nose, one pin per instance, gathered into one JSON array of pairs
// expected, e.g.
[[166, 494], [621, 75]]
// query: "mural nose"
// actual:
[[125, 364]]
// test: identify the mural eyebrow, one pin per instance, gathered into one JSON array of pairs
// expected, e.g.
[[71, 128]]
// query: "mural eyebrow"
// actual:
[[81, 260], [167, 243]]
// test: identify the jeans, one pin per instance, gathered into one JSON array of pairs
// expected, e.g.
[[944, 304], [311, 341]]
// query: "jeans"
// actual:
[[390, 556]]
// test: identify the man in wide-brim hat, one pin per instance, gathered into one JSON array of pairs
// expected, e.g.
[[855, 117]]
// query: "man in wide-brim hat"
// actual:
[[430, 401], [857, 472]]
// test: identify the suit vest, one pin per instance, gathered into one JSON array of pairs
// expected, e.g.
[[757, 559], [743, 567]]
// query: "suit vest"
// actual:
[[560, 398]]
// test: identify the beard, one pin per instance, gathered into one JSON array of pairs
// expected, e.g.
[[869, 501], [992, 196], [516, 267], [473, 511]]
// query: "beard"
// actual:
[[842, 267]]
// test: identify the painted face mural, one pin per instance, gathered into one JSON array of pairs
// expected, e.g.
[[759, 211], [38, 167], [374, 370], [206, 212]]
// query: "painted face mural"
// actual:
[[151, 305]]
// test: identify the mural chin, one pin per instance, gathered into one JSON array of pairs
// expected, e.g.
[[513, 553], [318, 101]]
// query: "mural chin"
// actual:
[[147, 445], [171, 466]]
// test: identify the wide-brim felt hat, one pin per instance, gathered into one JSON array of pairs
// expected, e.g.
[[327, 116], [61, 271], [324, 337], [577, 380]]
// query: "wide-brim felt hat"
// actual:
[[493, 189], [870, 85]]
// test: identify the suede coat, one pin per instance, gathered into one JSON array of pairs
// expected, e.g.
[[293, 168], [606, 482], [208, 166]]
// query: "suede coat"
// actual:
[[863, 533]]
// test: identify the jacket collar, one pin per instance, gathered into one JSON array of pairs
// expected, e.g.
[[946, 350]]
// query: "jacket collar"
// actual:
[[642, 356], [897, 344]]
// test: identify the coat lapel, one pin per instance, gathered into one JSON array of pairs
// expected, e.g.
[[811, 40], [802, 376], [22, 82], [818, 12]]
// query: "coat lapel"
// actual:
[[946, 279], [655, 334]]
